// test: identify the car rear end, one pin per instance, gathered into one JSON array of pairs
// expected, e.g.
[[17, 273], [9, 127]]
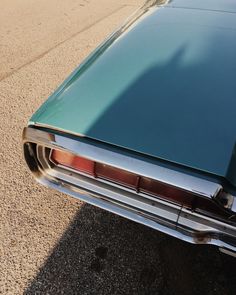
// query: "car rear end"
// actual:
[[145, 127], [183, 204]]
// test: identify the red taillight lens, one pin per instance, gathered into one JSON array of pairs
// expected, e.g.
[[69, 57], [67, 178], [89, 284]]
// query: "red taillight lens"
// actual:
[[72, 161], [157, 188], [135, 182], [116, 175], [119, 176]]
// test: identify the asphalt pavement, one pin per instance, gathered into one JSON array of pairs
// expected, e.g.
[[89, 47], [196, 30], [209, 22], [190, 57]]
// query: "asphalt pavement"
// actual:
[[51, 243]]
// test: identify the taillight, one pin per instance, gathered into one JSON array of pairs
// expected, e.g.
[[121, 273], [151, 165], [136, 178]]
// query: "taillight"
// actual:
[[75, 162], [123, 177], [117, 175], [135, 182], [154, 187]]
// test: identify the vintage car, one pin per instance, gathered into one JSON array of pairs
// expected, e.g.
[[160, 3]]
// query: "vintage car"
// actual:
[[145, 127]]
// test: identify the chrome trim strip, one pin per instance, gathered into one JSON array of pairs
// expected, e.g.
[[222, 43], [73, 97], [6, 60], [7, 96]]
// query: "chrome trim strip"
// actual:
[[228, 252], [140, 201], [144, 218], [113, 206], [183, 181], [233, 207], [179, 217], [153, 212], [202, 223]]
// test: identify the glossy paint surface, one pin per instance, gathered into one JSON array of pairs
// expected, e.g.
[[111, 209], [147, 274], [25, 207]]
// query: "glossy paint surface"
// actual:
[[214, 5], [164, 86]]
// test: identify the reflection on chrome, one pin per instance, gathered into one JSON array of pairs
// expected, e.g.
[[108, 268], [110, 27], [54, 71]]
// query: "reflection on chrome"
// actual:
[[211, 223]]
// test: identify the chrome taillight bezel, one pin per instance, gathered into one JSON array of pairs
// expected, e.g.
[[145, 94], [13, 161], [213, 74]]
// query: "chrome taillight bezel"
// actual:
[[167, 217]]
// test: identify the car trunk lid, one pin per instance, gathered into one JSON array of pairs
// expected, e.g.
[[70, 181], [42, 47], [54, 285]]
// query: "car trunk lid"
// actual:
[[165, 87]]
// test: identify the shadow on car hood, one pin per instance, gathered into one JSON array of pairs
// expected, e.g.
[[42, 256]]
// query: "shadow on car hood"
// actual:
[[164, 86]]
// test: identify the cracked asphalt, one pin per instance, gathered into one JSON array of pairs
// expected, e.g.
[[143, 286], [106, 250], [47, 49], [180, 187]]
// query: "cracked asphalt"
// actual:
[[51, 243]]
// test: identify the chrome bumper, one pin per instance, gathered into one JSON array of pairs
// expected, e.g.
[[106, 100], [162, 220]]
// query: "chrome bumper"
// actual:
[[164, 216]]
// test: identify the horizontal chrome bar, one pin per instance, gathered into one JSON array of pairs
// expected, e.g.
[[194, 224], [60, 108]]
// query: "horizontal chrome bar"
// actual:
[[178, 179], [113, 192], [156, 213]]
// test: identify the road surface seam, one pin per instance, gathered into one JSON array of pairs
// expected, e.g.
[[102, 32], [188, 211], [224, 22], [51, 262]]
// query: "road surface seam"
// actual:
[[62, 42]]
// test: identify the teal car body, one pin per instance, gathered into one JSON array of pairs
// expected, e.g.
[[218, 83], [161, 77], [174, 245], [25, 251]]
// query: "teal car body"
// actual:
[[164, 86], [161, 87]]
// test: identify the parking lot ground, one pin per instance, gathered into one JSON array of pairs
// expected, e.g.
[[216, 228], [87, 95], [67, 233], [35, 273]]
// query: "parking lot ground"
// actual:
[[51, 243]]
